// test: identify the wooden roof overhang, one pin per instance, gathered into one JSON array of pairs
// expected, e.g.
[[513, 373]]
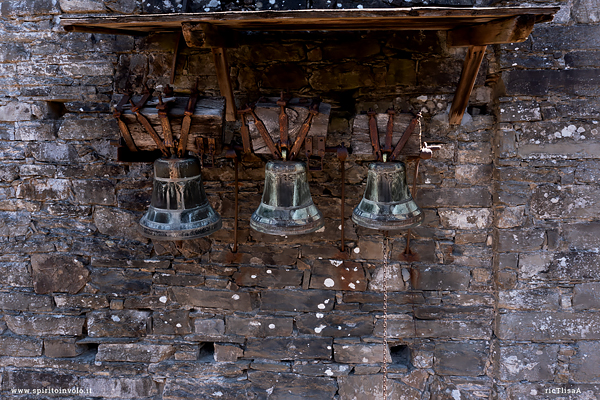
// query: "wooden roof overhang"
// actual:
[[475, 28]]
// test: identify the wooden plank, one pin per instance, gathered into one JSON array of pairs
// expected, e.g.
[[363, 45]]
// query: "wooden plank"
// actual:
[[205, 35], [224, 80], [509, 30], [361, 141], [297, 111], [434, 18], [467, 81], [207, 121]]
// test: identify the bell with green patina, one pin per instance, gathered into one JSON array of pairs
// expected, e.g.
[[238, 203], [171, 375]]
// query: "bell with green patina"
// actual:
[[387, 203], [179, 208], [287, 207]]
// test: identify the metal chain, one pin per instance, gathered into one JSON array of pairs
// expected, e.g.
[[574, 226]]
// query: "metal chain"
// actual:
[[385, 312]]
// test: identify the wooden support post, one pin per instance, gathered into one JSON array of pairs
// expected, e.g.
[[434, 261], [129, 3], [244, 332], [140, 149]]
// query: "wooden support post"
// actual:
[[222, 67], [467, 81]]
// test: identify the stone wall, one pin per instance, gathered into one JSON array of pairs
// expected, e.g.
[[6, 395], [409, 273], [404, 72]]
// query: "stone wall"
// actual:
[[502, 303]]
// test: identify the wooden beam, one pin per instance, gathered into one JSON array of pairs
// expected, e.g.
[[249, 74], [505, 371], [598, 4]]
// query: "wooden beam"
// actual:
[[508, 30], [467, 81], [207, 35], [224, 79]]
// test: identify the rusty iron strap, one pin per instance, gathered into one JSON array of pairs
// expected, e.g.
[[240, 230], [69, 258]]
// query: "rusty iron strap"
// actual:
[[312, 111], [262, 129], [165, 124], [389, 132], [409, 130], [187, 122], [123, 126], [246, 142], [135, 108], [283, 123], [374, 134]]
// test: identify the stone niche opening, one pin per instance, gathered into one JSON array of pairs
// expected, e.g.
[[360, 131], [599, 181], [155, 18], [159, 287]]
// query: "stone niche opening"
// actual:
[[207, 352], [400, 354]]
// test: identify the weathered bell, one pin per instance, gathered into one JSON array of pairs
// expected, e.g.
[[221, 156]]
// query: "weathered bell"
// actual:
[[179, 208], [387, 203], [287, 207]]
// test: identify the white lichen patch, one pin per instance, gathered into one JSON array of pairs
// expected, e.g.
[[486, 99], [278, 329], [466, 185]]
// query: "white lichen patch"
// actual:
[[329, 282]]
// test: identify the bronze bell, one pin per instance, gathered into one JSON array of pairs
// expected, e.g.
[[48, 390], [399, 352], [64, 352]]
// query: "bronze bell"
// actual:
[[179, 208], [287, 207], [387, 203]]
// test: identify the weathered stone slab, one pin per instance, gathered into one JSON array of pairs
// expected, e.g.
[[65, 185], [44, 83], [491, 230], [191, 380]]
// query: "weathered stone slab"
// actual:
[[585, 365], [454, 197], [529, 299], [360, 353], [338, 275], [116, 222], [295, 348], [295, 300], [19, 301], [63, 347], [268, 277], [583, 236], [394, 278], [14, 273], [533, 265], [467, 218], [134, 352], [440, 278], [325, 369], [520, 111], [120, 388], [292, 386], [548, 326], [520, 240], [239, 301], [20, 346], [58, 273], [568, 38], [398, 326], [122, 282], [117, 323], [335, 325], [194, 369], [44, 189], [463, 359], [14, 223], [45, 325], [260, 326], [370, 387], [467, 329], [209, 327], [510, 217], [53, 152], [175, 322], [81, 301], [574, 266], [227, 353], [201, 388], [574, 82], [23, 378], [95, 191], [527, 362], [586, 296]]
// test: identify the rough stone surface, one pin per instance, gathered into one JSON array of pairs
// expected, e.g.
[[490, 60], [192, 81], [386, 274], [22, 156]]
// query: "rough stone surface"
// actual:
[[57, 273]]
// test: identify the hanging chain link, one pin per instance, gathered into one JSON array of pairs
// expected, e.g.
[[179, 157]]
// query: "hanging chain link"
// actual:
[[386, 244]]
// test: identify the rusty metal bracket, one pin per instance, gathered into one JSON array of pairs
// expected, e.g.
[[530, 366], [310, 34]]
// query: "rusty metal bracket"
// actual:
[[389, 132], [314, 152], [166, 124], [135, 108], [374, 134], [262, 129], [187, 121], [312, 111], [125, 134], [244, 132], [283, 126], [206, 152], [405, 136]]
